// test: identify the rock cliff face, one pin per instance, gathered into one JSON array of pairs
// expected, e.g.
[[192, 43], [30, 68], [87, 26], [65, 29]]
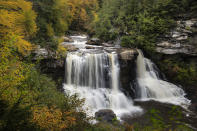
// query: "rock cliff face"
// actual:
[[182, 39], [177, 57], [127, 59]]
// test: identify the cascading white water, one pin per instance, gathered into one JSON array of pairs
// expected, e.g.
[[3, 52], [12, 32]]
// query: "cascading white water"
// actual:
[[152, 87], [114, 72], [95, 76], [86, 69]]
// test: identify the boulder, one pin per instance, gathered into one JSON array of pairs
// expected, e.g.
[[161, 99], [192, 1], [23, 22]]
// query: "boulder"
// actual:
[[127, 53], [186, 31], [190, 23], [182, 38], [94, 41], [176, 34], [105, 115]]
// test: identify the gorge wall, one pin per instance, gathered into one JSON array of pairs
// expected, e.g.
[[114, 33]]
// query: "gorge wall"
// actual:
[[176, 56]]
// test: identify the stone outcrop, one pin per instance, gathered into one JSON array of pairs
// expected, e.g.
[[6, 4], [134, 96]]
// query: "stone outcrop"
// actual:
[[70, 48], [67, 39], [105, 115], [107, 44], [181, 40], [180, 45], [40, 53], [127, 54], [90, 47], [127, 60], [94, 41]]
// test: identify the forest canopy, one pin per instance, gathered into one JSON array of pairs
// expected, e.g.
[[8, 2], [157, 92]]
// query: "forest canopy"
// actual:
[[139, 22]]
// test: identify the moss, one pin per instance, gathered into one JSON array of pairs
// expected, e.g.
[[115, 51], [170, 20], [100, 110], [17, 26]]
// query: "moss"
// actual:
[[102, 126], [159, 122]]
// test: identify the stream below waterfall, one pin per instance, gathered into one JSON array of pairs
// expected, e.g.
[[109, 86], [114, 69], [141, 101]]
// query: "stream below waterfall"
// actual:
[[93, 74]]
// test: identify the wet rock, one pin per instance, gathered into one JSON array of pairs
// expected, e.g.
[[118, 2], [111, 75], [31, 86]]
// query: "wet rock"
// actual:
[[90, 47], [94, 41], [107, 44], [193, 107], [127, 54], [105, 115], [70, 48], [127, 61], [195, 25], [67, 39]]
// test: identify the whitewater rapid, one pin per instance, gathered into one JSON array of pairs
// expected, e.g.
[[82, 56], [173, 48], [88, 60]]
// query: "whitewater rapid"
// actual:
[[152, 87], [94, 75]]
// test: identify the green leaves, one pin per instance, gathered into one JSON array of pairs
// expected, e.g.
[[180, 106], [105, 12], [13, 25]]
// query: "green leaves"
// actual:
[[139, 23]]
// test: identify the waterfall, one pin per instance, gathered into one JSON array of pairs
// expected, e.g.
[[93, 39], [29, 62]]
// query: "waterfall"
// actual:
[[115, 72], [94, 75], [88, 70], [151, 86]]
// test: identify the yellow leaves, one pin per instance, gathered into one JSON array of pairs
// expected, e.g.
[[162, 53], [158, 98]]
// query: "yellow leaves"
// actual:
[[9, 67], [96, 17], [24, 5], [23, 46], [51, 118], [11, 74], [83, 15], [13, 27], [18, 18], [10, 4], [27, 22], [61, 50], [7, 21], [81, 10], [15, 5], [50, 31]]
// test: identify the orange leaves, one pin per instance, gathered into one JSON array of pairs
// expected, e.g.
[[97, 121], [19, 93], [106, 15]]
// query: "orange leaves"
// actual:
[[52, 118]]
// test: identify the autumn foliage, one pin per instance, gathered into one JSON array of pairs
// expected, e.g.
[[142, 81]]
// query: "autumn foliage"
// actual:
[[52, 118], [82, 12], [30, 100]]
